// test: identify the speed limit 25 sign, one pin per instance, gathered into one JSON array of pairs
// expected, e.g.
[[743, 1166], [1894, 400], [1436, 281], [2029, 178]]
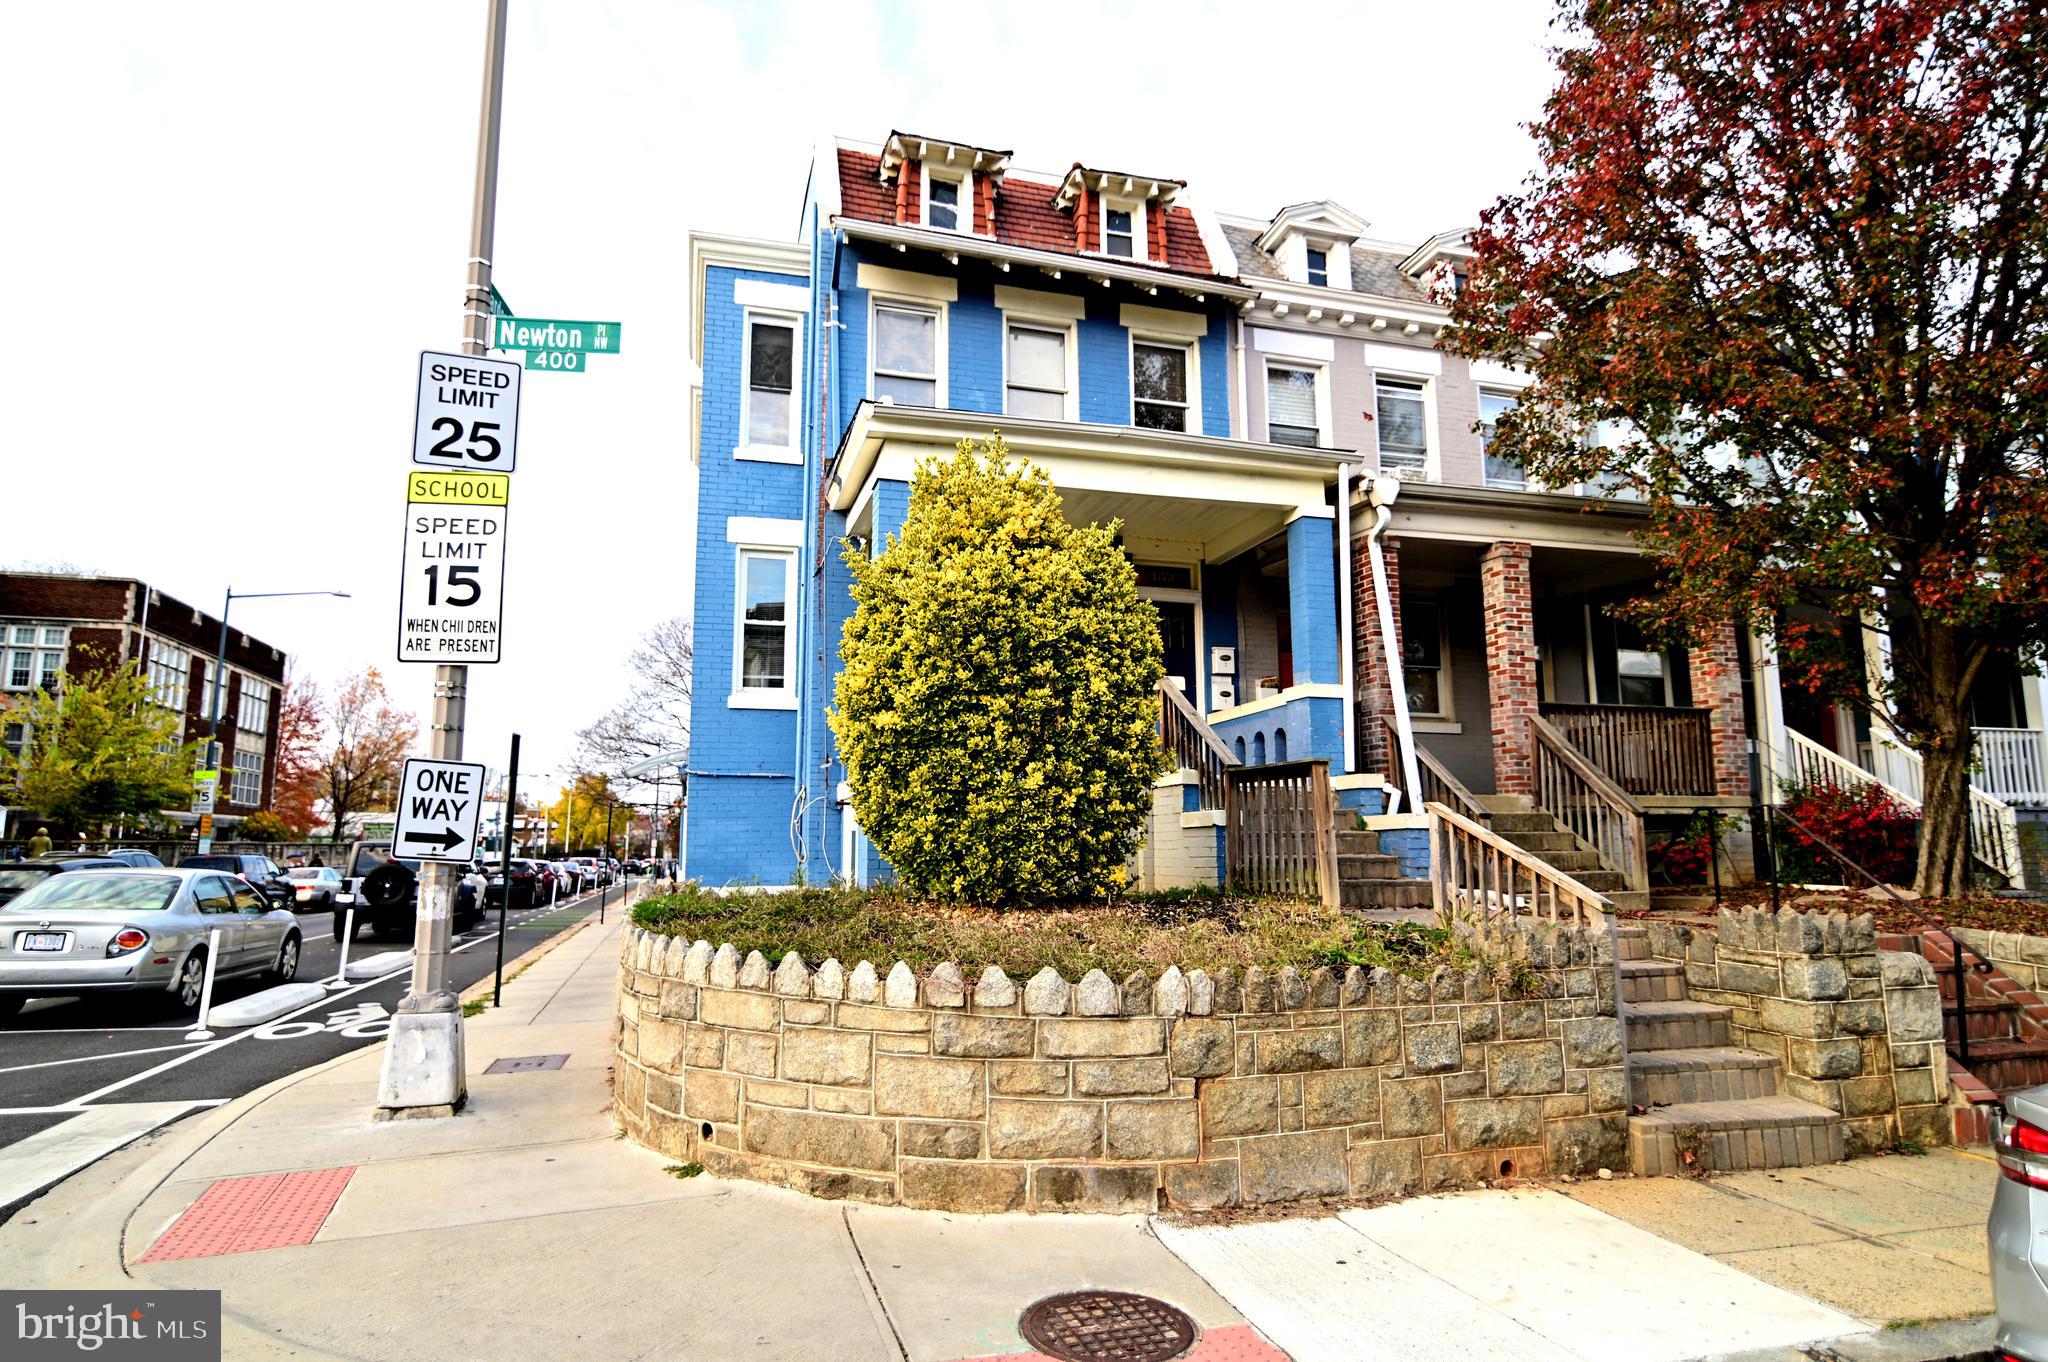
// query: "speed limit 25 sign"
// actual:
[[451, 593], [468, 413]]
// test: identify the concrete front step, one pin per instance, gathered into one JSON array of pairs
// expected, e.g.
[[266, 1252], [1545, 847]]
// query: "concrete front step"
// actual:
[[1652, 981], [1543, 841], [1572, 860], [1388, 893], [1631, 943], [1628, 900], [1677, 1026], [1352, 842], [1512, 825], [1724, 1137], [1371, 866], [1664, 1078]]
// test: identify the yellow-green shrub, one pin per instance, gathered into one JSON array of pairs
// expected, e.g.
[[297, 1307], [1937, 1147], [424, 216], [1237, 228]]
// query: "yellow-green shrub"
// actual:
[[997, 711]]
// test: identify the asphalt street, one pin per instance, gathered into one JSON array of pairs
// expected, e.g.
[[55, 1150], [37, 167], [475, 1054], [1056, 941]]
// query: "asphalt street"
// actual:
[[62, 1057]]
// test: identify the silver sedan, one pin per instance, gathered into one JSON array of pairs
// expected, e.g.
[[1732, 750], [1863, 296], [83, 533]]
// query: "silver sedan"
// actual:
[[139, 931]]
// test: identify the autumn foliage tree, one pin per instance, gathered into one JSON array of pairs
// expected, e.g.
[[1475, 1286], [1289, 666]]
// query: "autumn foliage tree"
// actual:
[[368, 741], [301, 768], [1794, 251], [98, 748]]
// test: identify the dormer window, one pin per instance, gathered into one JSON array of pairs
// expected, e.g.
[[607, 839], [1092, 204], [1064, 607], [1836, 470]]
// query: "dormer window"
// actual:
[[1318, 267], [943, 202], [1123, 226]]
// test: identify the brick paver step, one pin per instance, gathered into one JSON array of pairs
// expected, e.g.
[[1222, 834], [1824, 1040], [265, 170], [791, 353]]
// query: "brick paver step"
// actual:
[[1631, 943], [1652, 981], [1754, 1132], [1676, 1025], [1666, 1078]]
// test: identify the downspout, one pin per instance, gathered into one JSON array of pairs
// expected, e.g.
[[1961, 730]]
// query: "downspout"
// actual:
[[1346, 661], [1384, 491]]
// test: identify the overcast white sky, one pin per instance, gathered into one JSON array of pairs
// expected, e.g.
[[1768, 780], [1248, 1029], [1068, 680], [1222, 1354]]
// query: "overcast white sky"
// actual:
[[231, 228]]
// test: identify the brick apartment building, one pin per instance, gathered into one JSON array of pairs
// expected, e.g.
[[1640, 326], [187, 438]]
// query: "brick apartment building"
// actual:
[[55, 625]]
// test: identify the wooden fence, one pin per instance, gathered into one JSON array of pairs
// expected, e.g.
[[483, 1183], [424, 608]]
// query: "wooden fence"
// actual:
[[1280, 824]]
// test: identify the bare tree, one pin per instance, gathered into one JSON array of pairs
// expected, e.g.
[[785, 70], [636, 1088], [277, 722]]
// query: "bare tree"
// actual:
[[655, 715], [370, 739]]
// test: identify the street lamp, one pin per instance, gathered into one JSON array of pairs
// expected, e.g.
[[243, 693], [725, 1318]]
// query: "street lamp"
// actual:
[[220, 657]]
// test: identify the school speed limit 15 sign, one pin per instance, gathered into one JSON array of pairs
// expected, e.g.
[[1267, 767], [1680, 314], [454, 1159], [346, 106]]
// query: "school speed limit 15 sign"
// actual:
[[451, 595], [468, 414]]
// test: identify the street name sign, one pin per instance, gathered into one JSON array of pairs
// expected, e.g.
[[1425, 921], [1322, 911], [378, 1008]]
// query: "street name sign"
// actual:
[[468, 413], [438, 805], [558, 361], [452, 576], [538, 333]]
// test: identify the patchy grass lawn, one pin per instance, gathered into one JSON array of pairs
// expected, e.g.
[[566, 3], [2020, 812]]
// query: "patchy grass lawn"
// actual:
[[1189, 928]]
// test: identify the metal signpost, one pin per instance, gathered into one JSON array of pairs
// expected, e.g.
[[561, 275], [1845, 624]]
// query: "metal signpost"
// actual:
[[423, 1071]]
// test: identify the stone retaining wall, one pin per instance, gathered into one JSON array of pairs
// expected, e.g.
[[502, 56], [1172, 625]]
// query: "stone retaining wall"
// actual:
[[1189, 1091], [1855, 1029]]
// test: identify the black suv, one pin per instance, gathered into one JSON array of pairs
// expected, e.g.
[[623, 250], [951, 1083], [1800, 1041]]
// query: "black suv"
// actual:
[[267, 875], [385, 892]]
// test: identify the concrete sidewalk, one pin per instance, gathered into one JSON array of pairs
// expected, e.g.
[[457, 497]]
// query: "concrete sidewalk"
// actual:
[[526, 1229]]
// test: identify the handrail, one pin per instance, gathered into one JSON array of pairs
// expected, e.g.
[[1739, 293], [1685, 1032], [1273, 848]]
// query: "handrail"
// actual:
[[1589, 804], [1983, 966], [1438, 784], [1189, 739], [1471, 867]]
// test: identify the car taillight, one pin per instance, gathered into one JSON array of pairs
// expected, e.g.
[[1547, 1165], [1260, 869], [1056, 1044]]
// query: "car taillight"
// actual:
[[127, 939], [2022, 1150]]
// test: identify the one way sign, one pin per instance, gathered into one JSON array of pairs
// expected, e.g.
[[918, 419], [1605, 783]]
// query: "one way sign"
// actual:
[[439, 803]]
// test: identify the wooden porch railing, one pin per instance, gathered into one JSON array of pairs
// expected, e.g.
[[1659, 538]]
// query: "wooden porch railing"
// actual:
[[1472, 872], [1280, 829], [1589, 805], [1994, 825], [1188, 739], [1439, 786], [1645, 749]]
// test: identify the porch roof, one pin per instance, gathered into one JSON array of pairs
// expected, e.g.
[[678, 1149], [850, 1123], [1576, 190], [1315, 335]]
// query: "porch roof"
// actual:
[[1481, 515], [1216, 497]]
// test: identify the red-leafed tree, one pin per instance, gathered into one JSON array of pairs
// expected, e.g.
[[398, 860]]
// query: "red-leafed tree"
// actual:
[[1793, 252], [301, 768]]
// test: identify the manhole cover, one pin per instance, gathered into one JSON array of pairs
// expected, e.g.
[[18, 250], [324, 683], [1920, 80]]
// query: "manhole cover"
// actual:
[[1107, 1326], [525, 1064]]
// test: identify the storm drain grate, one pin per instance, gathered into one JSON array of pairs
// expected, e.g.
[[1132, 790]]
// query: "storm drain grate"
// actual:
[[526, 1064], [1107, 1326]]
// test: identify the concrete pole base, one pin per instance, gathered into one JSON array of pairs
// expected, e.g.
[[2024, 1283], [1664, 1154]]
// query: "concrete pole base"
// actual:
[[423, 1066]]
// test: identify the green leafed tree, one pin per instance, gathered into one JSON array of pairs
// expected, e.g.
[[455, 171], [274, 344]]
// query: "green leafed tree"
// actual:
[[98, 749], [997, 711]]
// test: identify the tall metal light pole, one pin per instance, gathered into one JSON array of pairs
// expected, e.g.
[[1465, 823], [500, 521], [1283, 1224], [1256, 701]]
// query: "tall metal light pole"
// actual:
[[423, 1060], [220, 662]]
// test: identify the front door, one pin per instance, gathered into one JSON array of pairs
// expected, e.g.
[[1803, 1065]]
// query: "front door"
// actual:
[[1177, 643]]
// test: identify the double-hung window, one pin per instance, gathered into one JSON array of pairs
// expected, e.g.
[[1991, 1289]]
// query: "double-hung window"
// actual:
[[252, 711], [1403, 423], [36, 657], [1641, 677], [1159, 386], [771, 382], [942, 203], [247, 785], [15, 739], [1422, 658], [170, 674], [1318, 267], [1035, 371], [1500, 472], [906, 346], [763, 644], [1121, 224], [1292, 409]]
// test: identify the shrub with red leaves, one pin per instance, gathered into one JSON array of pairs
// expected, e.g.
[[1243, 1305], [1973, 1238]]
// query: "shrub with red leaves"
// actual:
[[1863, 822]]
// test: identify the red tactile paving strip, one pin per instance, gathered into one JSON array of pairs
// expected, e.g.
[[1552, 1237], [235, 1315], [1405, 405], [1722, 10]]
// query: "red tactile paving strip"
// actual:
[[1229, 1343], [242, 1215]]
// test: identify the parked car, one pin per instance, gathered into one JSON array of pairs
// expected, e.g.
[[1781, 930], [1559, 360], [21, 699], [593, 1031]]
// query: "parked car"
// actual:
[[139, 931], [133, 856], [568, 879], [267, 875], [525, 884], [384, 891], [2019, 1257], [314, 886], [17, 877]]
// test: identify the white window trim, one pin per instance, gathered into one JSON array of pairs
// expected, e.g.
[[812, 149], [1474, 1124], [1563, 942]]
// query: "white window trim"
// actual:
[[1187, 596], [1432, 448], [1140, 236], [1322, 373], [783, 696], [1168, 342], [1308, 268], [912, 303], [1481, 392], [243, 701], [793, 451], [1444, 720], [236, 770], [1044, 322], [964, 209], [38, 649]]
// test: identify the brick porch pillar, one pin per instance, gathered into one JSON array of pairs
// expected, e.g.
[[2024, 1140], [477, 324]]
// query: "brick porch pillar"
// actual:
[[1510, 663], [1369, 652], [1716, 669]]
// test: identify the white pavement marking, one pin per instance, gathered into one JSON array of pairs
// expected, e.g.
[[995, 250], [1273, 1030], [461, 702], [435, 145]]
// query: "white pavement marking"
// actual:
[[47, 1156], [1527, 1274], [89, 1059], [1326, 1293]]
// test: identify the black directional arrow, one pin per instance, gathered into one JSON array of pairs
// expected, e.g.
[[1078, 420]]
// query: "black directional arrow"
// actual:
[[444, 840]]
